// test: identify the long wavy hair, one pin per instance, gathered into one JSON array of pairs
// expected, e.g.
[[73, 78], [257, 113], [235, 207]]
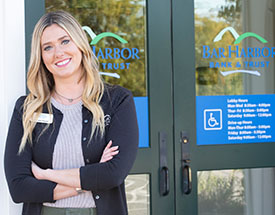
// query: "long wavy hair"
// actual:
[[40, 81]]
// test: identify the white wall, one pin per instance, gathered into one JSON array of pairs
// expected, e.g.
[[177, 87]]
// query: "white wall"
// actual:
[[12, 81]]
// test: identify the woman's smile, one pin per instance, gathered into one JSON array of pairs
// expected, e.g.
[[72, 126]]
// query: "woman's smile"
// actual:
[[63, 63]]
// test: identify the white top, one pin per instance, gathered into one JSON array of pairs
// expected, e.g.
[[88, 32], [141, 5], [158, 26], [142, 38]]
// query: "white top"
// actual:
[[68, 152]]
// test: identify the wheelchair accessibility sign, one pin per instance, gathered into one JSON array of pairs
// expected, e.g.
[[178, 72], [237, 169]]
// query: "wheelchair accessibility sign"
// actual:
[[235, 119], [212, 119]]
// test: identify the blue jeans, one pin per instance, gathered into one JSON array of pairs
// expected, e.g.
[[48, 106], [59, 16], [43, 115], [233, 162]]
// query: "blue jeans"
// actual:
[[67, 211]]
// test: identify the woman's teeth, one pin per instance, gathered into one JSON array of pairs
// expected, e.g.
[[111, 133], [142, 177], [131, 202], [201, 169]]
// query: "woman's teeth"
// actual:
[[63, 62]]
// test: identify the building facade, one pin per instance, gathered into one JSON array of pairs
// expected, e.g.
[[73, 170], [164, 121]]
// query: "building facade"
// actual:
[[202, 73]]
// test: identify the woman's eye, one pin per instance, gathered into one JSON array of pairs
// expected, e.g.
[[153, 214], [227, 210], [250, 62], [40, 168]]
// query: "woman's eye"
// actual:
[[47, 48], [64, 42]]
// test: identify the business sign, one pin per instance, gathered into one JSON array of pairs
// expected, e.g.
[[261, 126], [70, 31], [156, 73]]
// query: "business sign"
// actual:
[[221, 57], [111, 54], [235, 119]]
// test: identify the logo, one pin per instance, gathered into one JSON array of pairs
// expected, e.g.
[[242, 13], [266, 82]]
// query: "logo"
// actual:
[[257, 55], [111, 54], [237, 37], [96, 38], [212, 119], [107, 119]]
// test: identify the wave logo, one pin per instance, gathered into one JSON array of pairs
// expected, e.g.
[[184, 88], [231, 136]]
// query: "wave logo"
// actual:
[[109, 53], [238, 38], [238, 52], [96, 38]]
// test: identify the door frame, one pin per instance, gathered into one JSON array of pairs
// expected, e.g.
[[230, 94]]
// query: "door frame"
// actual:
[[207, 157]]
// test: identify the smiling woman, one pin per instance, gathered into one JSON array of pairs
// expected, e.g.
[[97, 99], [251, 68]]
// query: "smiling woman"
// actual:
[[59, 155]]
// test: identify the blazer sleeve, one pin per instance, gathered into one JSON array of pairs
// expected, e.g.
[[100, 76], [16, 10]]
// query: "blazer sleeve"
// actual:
[[123, 131], [23, 186]]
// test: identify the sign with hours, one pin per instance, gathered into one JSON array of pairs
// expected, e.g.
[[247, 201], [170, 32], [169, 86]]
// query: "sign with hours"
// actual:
[[235, 119]]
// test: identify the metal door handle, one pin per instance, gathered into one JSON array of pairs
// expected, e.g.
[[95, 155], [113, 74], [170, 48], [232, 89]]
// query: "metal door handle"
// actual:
[[164, 181], [186, 179]]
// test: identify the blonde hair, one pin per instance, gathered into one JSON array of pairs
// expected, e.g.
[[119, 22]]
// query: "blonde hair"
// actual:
[[40, 81]]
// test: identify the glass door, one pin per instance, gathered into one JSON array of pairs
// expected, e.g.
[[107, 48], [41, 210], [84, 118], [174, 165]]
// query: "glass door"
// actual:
[[132, 41], [224, 104]]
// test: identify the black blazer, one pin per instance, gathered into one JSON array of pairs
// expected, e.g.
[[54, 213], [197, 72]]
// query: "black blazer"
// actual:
[[105, 180]]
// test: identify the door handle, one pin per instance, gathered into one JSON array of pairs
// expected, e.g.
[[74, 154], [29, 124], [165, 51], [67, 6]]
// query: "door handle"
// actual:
[[185, 163], [164, 182], [186, 179]]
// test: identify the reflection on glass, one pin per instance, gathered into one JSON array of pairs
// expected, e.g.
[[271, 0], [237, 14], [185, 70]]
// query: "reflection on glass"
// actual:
[[138, 194], [210, 18], [121, 61], [238, 192], [234, 43]]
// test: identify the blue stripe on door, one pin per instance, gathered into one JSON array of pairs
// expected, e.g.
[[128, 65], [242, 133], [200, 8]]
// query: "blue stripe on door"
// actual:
[[143, 122]]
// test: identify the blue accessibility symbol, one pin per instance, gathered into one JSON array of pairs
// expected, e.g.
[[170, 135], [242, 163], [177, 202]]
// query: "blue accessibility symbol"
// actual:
[[212, 119]]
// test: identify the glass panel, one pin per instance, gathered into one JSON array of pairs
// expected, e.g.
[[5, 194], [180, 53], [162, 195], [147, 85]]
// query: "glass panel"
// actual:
[[238, 192], [234, 47], [210, 18], [116, 29], [122, 60], [235, 81], [138, 194]]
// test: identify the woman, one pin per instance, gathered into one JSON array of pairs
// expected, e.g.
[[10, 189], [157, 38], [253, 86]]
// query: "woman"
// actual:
[[59, 155]]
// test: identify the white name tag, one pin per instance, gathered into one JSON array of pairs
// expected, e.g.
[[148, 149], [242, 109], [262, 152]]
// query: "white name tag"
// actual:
[[44, 118]]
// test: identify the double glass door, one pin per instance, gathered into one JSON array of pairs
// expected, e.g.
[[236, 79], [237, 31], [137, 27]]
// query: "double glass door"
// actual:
[[202, 73], [224, 84]]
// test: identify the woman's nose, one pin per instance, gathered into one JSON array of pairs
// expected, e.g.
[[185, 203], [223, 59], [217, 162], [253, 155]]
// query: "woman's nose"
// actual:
[[59, 52]]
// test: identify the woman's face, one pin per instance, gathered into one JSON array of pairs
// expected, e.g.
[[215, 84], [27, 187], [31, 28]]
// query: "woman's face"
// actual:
[[60, 54]]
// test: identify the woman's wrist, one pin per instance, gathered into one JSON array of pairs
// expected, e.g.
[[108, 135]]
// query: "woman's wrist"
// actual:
[[61, 192], [79, 190], [47, 174], [66, 177]]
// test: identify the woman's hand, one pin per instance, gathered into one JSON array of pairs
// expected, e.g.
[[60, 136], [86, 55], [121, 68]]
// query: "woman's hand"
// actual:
[[38, 172], [109, 152]]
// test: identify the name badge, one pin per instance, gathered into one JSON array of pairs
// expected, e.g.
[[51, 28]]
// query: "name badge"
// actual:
[[44, 118]]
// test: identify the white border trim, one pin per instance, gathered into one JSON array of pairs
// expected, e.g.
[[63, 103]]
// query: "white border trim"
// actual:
[[12, 81]]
